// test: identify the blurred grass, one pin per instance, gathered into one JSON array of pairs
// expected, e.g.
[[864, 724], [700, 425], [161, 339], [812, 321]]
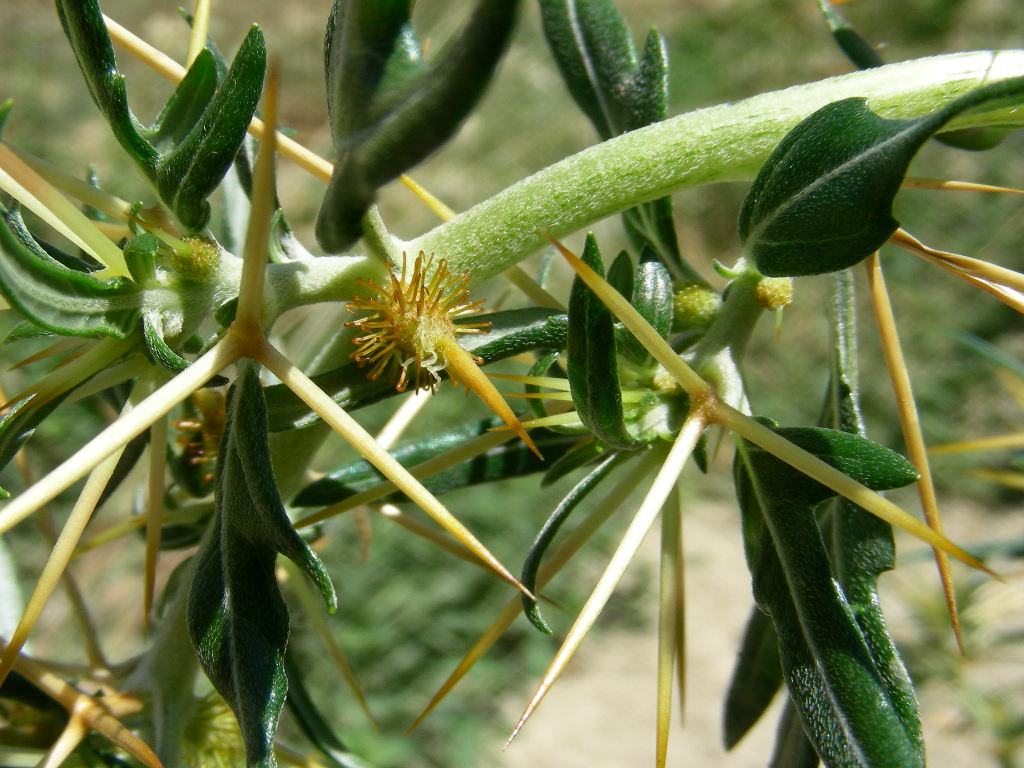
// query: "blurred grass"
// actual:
[[402, 641]]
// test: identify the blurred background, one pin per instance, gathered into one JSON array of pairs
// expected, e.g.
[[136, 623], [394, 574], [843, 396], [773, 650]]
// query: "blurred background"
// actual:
[[407, 612]]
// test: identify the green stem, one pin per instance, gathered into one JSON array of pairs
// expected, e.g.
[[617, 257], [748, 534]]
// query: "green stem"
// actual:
[[728, 142], [717, 357]]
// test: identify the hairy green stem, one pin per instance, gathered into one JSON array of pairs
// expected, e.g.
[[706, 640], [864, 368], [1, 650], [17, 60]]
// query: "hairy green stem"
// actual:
[[728, 142]]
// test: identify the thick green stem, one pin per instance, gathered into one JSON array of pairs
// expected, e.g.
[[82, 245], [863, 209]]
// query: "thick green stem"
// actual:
[[728, 142]]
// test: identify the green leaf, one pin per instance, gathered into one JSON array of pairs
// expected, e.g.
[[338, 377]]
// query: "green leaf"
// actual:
[[192, 170], [861, 54], [579, 455], [62, 300], [236, 617], [83, 25], [187, 104], [652, 297], [860, 544], [792, 749], [194, 140], [593, 48], [387, 111], [823, 199], [551, 527], [501, 462], [311, 721], [592, 363], [18, 423], [833, 679], [865, 56], [620, 275], [511, 332], [5, 112], [756, 678]]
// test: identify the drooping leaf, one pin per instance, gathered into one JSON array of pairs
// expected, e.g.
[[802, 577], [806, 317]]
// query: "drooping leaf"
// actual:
[[387, 110], [236, 617], [551, 527], [823, 199], [592, 363], [501, 462], [312, 722], [511, 332], [62, 300], [861, 545], [828, 667], [792, 749], [756, 678]]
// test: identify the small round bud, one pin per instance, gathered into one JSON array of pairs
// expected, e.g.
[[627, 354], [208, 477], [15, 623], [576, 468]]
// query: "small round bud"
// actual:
[[775, 292], [694, 306], [199, 261]]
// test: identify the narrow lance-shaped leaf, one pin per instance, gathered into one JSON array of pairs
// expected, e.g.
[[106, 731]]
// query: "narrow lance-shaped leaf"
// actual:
[[87, 32], [592, 364], [189, 174], [832, 678], [388, 112], [823, 199], [501, 462], [593, 48], [58, 299], [237, 618], [553, 524], [861, 545]]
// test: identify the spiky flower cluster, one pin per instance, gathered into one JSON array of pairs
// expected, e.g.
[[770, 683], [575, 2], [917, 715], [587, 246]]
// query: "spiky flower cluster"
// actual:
[[413, 321]]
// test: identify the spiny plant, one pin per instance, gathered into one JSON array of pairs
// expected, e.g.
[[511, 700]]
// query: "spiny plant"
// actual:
[[151, 305]]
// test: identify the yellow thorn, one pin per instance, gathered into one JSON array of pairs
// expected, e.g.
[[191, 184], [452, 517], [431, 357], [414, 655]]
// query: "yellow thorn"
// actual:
[[462, 368]]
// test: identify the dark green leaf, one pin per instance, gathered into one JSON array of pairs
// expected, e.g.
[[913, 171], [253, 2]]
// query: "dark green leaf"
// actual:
[[592, 363], [833, 679], [652, 297], [312, 722], [26, 329], [577, 456], [387, 112], [84, 27], [62, 300], [236, 617], [792, 749], [823, 200], [620, 275], [18, 424], [861, 545], [865, 56], [594, 51], [188, 174], [756, 678], [860, 53], [551, 527], [187, 104], [511, 332], [503, 461]]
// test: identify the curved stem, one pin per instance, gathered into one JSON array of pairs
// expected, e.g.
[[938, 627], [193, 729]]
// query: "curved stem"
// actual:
[[723, 143]]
